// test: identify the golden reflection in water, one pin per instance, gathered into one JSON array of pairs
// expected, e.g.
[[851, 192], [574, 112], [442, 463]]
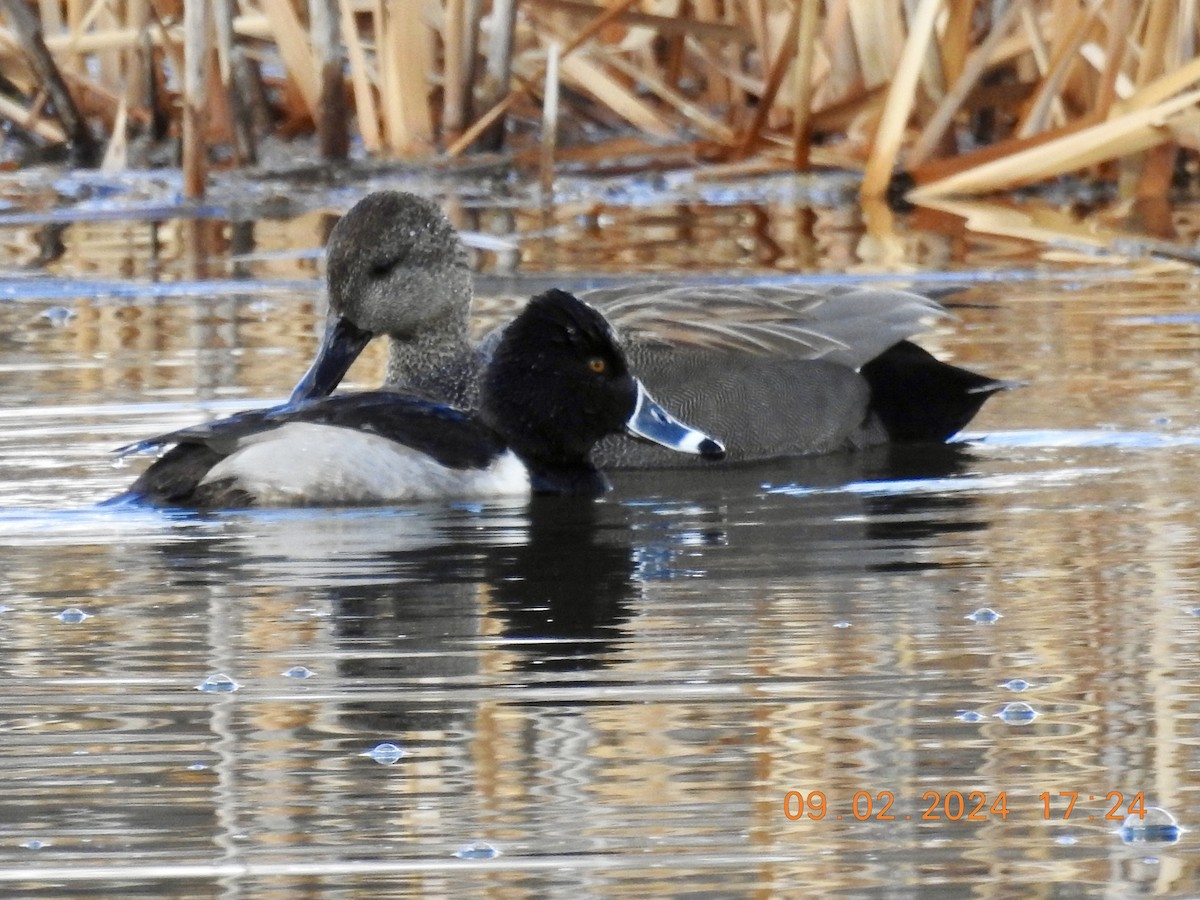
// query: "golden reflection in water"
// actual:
[[720, 693]]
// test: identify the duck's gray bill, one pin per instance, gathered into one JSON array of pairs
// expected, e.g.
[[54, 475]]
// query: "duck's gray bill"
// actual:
[[650, 422], [340, 347]]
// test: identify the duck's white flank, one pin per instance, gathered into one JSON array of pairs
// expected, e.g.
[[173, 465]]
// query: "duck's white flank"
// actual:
[[302, 463]]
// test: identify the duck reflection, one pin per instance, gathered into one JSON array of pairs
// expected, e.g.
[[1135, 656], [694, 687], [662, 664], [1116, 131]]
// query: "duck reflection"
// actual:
[[863, 512], [546, 592], [553, 586], [550, 589], [912, 505], [563, 597]]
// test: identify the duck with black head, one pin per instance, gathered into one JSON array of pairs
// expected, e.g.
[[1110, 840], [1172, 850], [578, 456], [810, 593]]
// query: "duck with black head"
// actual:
[[778, 370], [556, 383]]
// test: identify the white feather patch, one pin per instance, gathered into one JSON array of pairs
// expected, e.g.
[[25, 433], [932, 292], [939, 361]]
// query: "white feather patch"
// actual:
[[305, 464]]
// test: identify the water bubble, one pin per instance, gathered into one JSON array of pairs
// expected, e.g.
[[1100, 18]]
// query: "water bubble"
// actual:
[[197, 767], [1194, 611], [1156, 826], [1016, 685], [72, 615], [4, 609], [34, 844], [218, 684], [477, 850], [298, 672], [984, 615], [970, 715], [58, 316], [1066, 840], [386, 754], [1017, 713], [120, 462], [841, 624]]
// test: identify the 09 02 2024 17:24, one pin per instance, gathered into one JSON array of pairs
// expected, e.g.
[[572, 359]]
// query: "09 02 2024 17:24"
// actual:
[[957, 806]]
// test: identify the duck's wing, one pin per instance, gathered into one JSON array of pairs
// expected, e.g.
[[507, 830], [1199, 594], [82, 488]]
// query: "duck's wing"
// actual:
[[220, 435], [452, 437], [845, 325]]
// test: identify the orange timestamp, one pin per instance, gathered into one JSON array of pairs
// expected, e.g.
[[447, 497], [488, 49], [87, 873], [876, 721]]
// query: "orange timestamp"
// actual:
[[958, 806]]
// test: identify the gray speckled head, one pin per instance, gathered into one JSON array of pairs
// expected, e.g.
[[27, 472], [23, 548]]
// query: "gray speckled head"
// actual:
[[396, 266]]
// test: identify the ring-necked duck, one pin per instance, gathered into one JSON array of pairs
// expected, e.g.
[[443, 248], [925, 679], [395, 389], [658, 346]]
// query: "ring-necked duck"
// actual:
[[775, 370], [556, 383]]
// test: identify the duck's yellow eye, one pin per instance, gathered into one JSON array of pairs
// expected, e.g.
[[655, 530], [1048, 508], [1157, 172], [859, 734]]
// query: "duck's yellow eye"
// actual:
[[596, 364]]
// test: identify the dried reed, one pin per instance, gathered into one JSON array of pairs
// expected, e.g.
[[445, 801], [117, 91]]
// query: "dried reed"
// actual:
[[961, 97]]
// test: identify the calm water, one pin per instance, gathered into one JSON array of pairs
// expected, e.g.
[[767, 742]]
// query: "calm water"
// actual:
[[704, 685]]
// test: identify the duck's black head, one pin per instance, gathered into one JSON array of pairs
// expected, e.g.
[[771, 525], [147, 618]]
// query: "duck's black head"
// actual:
[[558, 382]]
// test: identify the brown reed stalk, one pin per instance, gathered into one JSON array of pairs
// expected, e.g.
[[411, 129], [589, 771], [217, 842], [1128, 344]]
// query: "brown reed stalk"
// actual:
[[1077, 148], [454, 69], [802, 110], [969, 74], [956, 41], [549, 122], [774, 79], [332, 118], [1068, 36], [896, 108], [586, 34], [292, 42], [82, 146], [197, 32], [1158, 54], [402, 54], [1120, 21], [360, 81]]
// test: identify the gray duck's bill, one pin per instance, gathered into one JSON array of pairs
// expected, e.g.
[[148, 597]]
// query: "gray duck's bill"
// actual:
[[341, 345]]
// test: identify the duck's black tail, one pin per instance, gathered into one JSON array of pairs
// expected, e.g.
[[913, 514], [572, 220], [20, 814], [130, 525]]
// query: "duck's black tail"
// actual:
[[918, 398], [172, 480]]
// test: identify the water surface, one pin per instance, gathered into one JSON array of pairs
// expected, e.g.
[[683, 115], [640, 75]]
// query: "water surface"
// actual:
[[629, 697]]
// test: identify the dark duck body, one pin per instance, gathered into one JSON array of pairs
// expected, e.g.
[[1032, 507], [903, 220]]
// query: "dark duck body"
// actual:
[[556, 384], [775, 371]]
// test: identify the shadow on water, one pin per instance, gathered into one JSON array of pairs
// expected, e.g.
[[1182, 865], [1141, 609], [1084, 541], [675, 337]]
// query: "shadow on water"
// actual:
[[800, 512], [556, 593]]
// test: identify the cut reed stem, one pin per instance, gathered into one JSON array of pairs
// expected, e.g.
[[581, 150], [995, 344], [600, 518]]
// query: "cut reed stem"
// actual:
[[967, 103]]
